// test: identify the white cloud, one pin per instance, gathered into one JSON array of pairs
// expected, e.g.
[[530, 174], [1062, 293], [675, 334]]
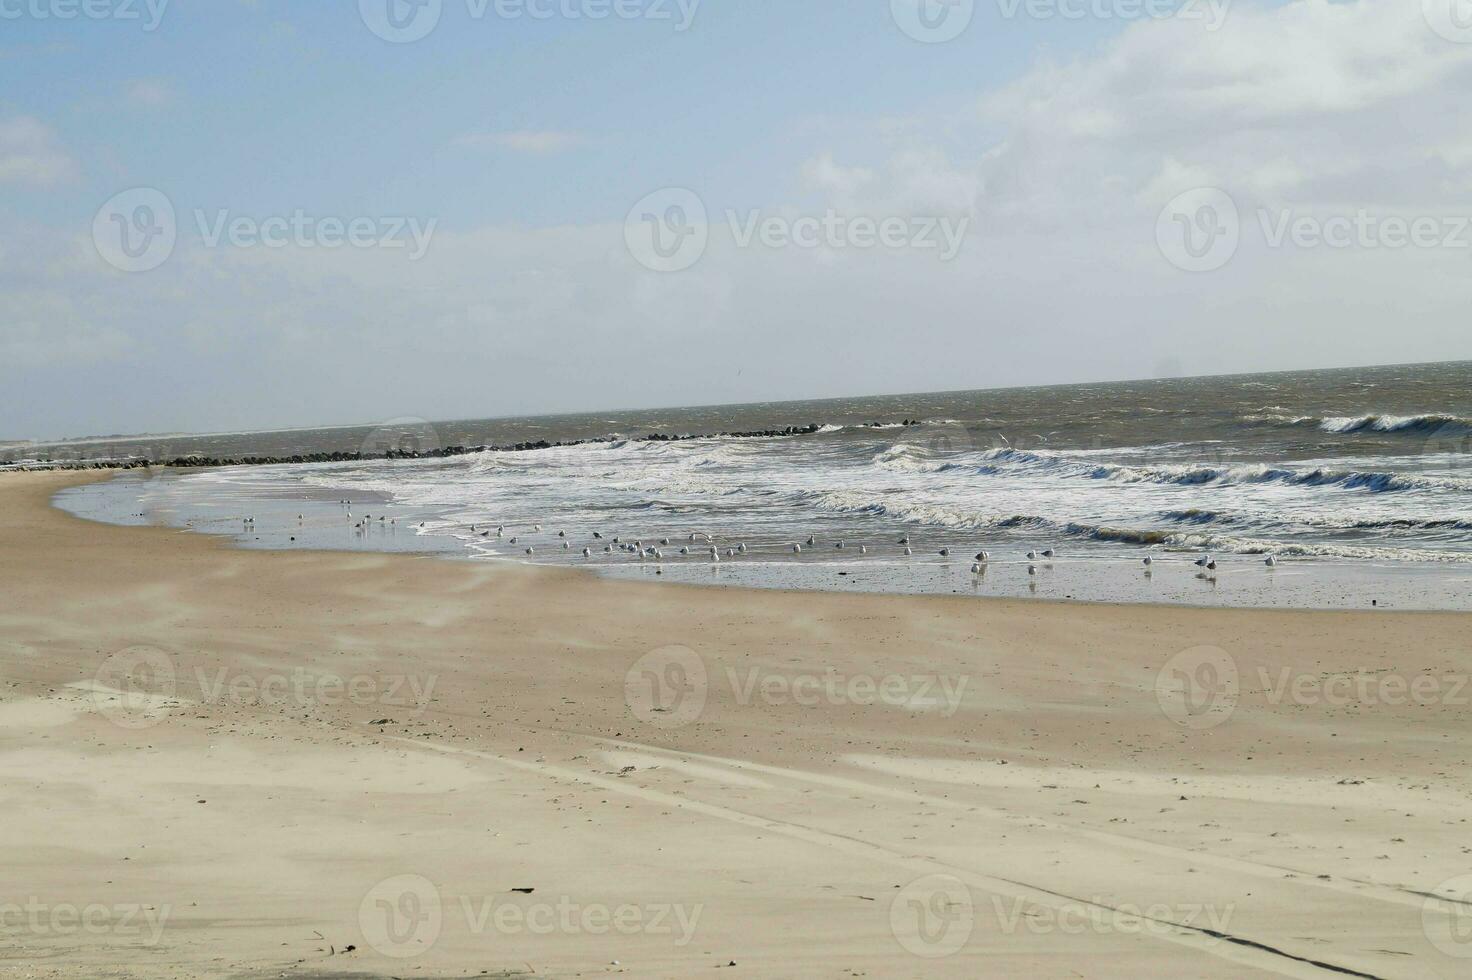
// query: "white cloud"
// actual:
[[1064, 171], [1313, 101], [30, 154], [537, 142]]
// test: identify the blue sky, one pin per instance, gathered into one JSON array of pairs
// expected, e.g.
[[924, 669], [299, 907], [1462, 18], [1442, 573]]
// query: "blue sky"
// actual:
[[1056, 141]]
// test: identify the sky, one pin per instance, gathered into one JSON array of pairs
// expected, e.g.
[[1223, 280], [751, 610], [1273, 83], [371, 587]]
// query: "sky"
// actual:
[[236, 214]]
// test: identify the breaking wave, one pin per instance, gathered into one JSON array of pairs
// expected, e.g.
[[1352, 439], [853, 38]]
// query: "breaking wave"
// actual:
[[1436, 424], [1006, 462]]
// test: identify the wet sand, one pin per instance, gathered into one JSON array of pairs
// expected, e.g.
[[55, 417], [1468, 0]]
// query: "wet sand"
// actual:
[[218, 762]]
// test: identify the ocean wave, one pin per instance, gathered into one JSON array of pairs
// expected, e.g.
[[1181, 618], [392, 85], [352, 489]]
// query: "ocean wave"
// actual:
[[1006, 462], [1232, 544], [866, 504], [1196, 515], [931, 515], [1438, 424]]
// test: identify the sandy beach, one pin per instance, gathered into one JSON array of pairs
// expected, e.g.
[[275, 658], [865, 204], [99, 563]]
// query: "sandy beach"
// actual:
[[227, 763]]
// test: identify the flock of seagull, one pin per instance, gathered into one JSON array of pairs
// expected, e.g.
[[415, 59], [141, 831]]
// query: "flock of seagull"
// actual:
[[698, 540]]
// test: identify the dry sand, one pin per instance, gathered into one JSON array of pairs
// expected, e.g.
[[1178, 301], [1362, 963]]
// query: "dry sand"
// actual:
[[214, 763]]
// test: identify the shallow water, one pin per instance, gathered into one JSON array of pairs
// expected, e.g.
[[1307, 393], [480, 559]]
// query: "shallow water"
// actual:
[[1358, 482]]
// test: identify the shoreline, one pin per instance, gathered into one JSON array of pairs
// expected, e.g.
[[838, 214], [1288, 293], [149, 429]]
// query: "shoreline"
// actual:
[[505, 737], [1298, 583]]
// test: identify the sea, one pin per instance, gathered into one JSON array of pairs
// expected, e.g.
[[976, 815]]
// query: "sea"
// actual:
[[1356, 483]]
